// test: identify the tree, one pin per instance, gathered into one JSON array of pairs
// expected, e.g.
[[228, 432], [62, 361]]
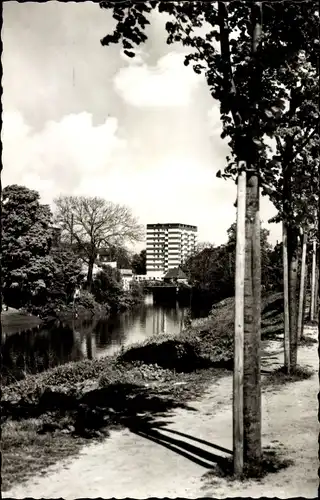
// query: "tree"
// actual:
[[302, 286], [243, 76], [118, 254], [274, 271], [212, 269], [67, 274], [95, 223], [295, 192], [107, 286], [139, 262], [26, 242], [202, 245]]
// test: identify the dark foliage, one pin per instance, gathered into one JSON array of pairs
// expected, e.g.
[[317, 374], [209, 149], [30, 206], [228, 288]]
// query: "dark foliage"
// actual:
[[212, 270], [139, 262]]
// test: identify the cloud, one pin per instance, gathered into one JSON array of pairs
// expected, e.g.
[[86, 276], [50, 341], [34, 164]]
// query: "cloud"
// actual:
[[176, 189], [161, 153], [72, 156], [215, 126], [53, 61], [61, 155], [168, 83]]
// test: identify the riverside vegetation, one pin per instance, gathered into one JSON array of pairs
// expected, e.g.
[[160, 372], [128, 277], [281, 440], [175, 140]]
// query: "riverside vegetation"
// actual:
[[50, 415], [40, 270]]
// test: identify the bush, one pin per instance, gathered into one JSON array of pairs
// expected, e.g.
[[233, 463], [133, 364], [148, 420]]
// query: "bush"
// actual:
[[174, 354], [107, 288], [87, 300], [272, 461], [280, 377], [136, 292]]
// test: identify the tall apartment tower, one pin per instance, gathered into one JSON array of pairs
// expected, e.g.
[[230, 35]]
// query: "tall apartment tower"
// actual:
[[168, 246]]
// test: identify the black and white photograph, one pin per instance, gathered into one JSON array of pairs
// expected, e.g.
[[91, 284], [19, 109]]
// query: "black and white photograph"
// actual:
[[160, 249]]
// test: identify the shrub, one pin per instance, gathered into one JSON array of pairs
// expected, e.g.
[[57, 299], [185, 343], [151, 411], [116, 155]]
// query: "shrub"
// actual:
[[279, 377], [88, 302], [174, 354], [136, 292], [107, 288]]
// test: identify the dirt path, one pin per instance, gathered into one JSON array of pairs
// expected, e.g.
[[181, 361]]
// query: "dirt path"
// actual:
[[138, 466]]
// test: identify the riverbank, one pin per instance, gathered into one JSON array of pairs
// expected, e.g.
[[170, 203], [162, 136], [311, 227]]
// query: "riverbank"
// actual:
[[14, 321], [87, 399], [173, 452]]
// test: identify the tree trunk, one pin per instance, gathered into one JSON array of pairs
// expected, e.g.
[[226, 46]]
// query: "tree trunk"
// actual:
[[71, 231], [239, 328], [286, 337], [90, 274], [89, 345], [316, 294], [313, 281], [302, 286], [305, 298], [293, 303], [252, 337]]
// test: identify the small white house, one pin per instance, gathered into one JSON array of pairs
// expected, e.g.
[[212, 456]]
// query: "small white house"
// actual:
[[140, 277], [127, 277], [110, 264], [155, 275], [95, 270]]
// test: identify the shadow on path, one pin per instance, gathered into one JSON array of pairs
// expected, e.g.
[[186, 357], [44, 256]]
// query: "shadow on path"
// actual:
[[115, 404], [194, 453], [202, 441]]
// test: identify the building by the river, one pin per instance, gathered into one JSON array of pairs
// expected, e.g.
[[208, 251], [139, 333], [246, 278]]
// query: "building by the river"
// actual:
[[168, 246]]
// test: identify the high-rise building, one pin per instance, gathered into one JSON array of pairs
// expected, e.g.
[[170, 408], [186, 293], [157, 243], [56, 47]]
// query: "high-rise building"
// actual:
[[168, 246]]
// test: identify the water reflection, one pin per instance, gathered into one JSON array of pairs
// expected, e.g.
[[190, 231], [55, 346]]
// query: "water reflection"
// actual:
[[38, 349]]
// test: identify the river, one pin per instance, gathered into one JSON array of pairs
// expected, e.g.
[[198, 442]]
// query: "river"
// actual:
[[37, 349]]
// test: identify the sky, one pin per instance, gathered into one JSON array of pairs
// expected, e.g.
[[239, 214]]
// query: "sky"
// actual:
[[82, 119]]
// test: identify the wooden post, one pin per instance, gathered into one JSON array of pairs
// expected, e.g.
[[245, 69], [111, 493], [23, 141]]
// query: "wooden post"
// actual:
[[302, 284], [305, 298], [286, 298], [313, 280], [316, 294], [252, 282], [239, 328]]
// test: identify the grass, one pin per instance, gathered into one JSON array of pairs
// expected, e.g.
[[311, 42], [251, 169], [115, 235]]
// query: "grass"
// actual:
[[272, 462], [25, 451], [312, 323], [306, 340], [14, 321], [31, 445], [280, 377]]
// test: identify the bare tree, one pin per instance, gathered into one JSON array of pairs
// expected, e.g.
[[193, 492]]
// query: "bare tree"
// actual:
[[203, 245], [93, 223]]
